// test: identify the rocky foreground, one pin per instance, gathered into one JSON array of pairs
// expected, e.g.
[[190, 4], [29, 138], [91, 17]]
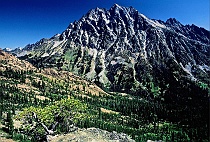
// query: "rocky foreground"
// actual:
[[91, 135]]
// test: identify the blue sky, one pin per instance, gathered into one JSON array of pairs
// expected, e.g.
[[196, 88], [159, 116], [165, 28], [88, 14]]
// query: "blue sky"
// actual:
[[27, 21]]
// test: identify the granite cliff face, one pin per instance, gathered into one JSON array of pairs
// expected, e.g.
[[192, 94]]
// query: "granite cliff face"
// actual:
[[121, 49]]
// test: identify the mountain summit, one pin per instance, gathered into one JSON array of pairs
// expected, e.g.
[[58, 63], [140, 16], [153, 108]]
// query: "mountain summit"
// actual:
[[121, 49]]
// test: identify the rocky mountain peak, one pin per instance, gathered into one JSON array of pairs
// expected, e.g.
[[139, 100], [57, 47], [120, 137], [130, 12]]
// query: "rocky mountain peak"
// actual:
[[173, 22], [116, 47], [116, 8]]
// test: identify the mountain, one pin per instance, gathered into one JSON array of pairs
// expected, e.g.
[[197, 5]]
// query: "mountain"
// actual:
[[153, 76], [120, 49]]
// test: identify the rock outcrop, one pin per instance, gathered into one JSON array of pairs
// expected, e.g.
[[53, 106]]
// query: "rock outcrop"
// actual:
[[92, 135]]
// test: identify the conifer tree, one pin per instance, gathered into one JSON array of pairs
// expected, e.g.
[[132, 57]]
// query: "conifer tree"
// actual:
[[1, 113], [9, 123]]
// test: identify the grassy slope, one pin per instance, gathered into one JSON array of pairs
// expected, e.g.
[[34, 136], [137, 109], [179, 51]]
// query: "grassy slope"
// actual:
[[57, 85]]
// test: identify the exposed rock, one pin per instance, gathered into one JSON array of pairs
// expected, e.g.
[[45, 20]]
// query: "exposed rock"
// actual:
[[154, 141], [92, 135]]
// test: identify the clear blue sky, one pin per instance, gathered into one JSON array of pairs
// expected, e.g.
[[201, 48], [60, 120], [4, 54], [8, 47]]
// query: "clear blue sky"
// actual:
[[27, 21]]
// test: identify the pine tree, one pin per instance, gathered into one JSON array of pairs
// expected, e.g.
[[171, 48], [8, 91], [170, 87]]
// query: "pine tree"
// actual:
[[0, 113], [99, 114], [10, 124]]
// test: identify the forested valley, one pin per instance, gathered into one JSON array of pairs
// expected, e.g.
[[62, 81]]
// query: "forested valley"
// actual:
[[36, 103]]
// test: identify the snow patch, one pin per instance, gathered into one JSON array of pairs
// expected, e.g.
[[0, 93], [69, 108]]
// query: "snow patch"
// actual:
[[204, 68], [113, 62], [45, 55], [53, 53], [56, 43], [117, 60], [105, 19], [23, 53], [188, 67], [8, 49], [153, 23]]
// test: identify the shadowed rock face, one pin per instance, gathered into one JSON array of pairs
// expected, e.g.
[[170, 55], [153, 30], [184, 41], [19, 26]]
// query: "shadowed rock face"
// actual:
[[121, 49]]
